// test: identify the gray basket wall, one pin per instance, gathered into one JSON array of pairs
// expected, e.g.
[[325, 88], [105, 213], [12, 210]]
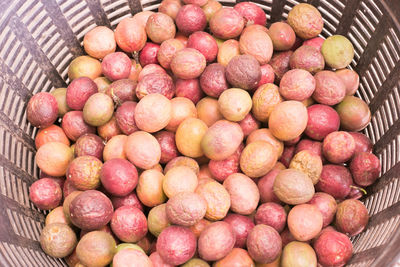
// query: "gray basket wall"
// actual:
[[38, 39]]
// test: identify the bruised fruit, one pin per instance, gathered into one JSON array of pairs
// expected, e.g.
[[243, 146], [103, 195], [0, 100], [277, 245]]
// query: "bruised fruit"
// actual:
[[142, 149], [252, 13], [365, 168], [114, 148], [116, 66], [350, 79], [58, 240], [150, 188], [79, 91], [99, 42], [309, 163], [228, 50], [333, 249], [221, 140], [182, 161], [354, 113], [305, 20], [288, 120], [293, 187], [154, 83], [282, 36], [297, 84], [74, 125], [234, 258], [305, 222], [98, 109], [338, 147], [256, 43], [243, 72], [188, 63], [157, 220], [190, 19], [271, 214], [125, 117], [217, 198], [189, 89], [335, 180], [179, 179], [322, 120], [54, 158], [216, 241], [258, 158], [84, 66], [186, 209], [221, 169], [213, 81], [89, 145], [119, 177], [266, 185], [226, 23], [307, 58], [129, 224], [351, 217], [170, 7], [153, 113], [176, 245], [241, 226], [130, 35], [189, 136], [265, 99], [264, 244], [329, 89], [160, 27], [45, 193], [298, 254], [338, 51], [53, 133], [84, 172], [167, 51], [204, 43], [42, 110], [96, 248], [91, 210], [168, 147], [234, 104]]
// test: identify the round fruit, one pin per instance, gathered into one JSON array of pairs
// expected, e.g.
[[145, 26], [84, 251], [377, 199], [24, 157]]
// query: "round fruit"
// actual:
[[60, 95], [99, 42], [84, 172], [333, 249], [89, 145], [338, 147], [241, 226], [213, 81], [131, 257], [271, 214], [204, 43], [329, 89], [308, 58], [189, 88], [335, 180], [226, 23], [148, 55], [265, 99], [130, 35], [153, 113], [350, 79], [249, 124], [305, 222], [365, 168], [142, 149], [297, 84], [252, 13], [235, 257], [257, 43], [282, 36], [243, 72], [309, 163], [167, 50], [298, 254], [98, 109], [280, 63], [182, 161], [45, 193], [74, 125], [54, 158], [150, 188], [125, 116], [53, 133], [179, 179], [160, 27], [96, 248], [58, 240], [210, 8], [351, 217], [337, 51], [190, 19], [221, 169], [305, 20], [114, 148], [217, 198], [157, 219], [264, 244], [42, 110], [84, 66], [266, 187], [116, 66], [322, 120], [129, 224], [354, 113], [326, 205], [228, 50], [258, 158], [79, 91], [234, 104], [170, 7], [188, 63], [119, 177], [186, 209]]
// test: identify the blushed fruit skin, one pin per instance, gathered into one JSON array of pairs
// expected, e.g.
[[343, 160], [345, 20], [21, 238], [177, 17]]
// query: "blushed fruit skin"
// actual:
[[217, 198], [236, 257], [84, 66], [305, 20], [297, 84], [195, 262], [129, 200], [210, 8], [333, 249], [99, 42], [170, 8], [142, 149], [258, 158], [213, 81], [190, 19], [109, 129], [186, 209], [103, 83], [54, 158], [305, 222], [322, 120], [204, 43], [91, 210], [176, 245], [125, 117], [45, 193], [288, 120], [335, 180], [167, 50], [98, 109], [114, 148], [179, 179], [189, 135], [315, 42], [351, 217], [116, 66], [313, 146], [149, 69], [189, 88], [130, 35], [78, 92], [228, 50], [182, 161], [160, 27], [226, 23], [338, 147], [282, 36], [188, 63], [326, 204], [221, 169], [96, 248], [216, 241], [74, 125], [221, 140], [142, 17], [208, 111], [256, 43], [84, 172], [42, 110], [265, 99], [365, 168], [249, 124], [89, 145], [243, 193], [267, 75], [354, 113], [287, 155], [298, 254], [329, 89], [338, 51], [122, 90], [350, 79], [280, 63], [252, 13], [265, 187], [168, 146], [129, 224], [157, 219], [243, 72], [264, 244], [293, 187], [119, 177], [155, 257], [271, 214], [234, 104], [241, 227], [53, 133], [307, 58], [309, 163], [199, 227], [60, 95], [155, 83], [131, 257], [58, 240], [148, 55], [153, 113], [56, 216]]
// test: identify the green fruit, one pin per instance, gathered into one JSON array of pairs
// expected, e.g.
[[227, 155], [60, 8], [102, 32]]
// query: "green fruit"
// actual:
[[298, 254], [338, 51]]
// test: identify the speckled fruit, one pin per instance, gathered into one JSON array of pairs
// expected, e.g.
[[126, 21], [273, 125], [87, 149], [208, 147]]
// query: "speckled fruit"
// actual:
[[354, 113], [96, 248], [58, 240], [305, 222], [154, 83], [322, 120], [309, 163], [130, 35], [122, 90], [78, 92], [271, 214], [307, 58], [179, 179], [109, 129], [188, 63], [264, 244], [365, 168], [89, 145], [142, 149], [351, 217], [84, 172], [315, 42], [116, 66], [213, 81], [226, 23], [258, 158], [217, 198], [42, 110], [125, 117], [265, 99], [189, 136], [335, 180], [190, 19], [265, 134], [160, 27], [329, 89], [280, 63], [333, 249], [305, 20], [149, 69], [98, 109], [338, 51], [186, 209], [170, 8], [338, 147], [45, 193], [297, 84], [129, 200], [243, 72], [129, 224]]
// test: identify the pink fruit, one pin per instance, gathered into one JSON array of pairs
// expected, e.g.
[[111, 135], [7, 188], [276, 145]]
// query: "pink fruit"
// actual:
[[204, 43], [322, 120], [148, 55], [251, 12], [190, 19]]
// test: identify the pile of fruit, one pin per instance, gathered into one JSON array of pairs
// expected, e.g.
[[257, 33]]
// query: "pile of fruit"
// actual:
[[197, 136]]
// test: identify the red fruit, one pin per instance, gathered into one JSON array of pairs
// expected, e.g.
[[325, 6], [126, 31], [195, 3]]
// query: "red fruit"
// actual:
[[53, 133], [204, 43], [266, 187], [45, 193], [363, 143], [335, 180], [78, 92], [74, 125], [148, 55], [267, 74], [226, 23], [221, 169], [271, 214], [252, 13], [130, 35], [155, 83], [287, 155], [326, 205], [89, 145], [338, 147], [264, 244], [125, 116], [241, 226], [190, 19], [213, 81], [129, 200], [42, 110], [189, 88], [129, 224], [315, 42], [333, 249], [365, 168], [322, 120], [313, 146], [151, 69], [116, 66], [169, 150]]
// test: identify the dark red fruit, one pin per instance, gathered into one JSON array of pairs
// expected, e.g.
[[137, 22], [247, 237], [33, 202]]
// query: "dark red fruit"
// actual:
[[129, 200], [204, 43], [129, 224], [125, 116], [351, 217], [189, 88], [42, 110], [78, 92], [241, 226], [333, 249], [213, 81], [148, 54], [74, 126], [122, 90], [89, 145], [335, 180], [190, 19], [287, 155], [119, 177], [266, 187], [365, 168], [168, 147]]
